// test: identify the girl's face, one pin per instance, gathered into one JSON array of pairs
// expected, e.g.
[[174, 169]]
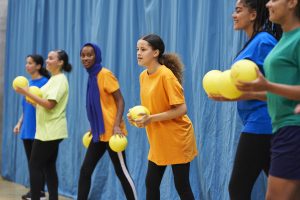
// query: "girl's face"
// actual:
[[88, 56], [31, 66], [53, 63], [278, 10], [243, 17], [145, 53]]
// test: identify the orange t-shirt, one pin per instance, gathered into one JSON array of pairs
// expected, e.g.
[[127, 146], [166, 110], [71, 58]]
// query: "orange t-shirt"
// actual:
[[171, 141], [108, 84]]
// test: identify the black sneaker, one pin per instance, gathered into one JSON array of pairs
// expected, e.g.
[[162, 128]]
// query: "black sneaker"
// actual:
[[26, 196], [42, 195]]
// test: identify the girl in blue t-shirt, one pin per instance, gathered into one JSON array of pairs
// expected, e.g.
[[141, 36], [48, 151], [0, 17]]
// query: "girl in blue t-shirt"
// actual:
[[26, 124], [253, 151]]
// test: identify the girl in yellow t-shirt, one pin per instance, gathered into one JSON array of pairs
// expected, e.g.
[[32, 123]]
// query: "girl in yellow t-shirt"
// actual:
[[170, 131], [105, 107]]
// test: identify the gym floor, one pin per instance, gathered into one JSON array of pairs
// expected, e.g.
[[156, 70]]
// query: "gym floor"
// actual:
[[13, 191]]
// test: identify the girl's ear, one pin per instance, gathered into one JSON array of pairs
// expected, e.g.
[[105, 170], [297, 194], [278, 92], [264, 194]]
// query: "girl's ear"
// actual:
[[60, 63], [253, 15], [156, 53], [292, 4], [38, 67]]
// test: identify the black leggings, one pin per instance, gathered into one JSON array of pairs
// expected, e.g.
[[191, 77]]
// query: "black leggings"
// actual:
[[252, 156], [43, 160], [28, 148], [94, 153], [181, 178]]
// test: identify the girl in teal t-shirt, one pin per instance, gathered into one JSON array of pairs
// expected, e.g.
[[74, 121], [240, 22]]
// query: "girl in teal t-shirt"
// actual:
[[282, 83], [51, 126]]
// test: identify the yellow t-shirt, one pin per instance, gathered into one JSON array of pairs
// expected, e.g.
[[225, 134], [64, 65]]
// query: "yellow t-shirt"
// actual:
[[108, 84], [171, 141], [52, 124]]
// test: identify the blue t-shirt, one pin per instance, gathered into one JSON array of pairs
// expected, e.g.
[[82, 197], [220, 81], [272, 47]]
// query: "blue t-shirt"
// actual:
[[254, 113], [29, 122]]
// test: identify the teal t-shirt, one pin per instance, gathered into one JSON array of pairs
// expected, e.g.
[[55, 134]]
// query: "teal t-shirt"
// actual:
[[282, 66], [52, 124]]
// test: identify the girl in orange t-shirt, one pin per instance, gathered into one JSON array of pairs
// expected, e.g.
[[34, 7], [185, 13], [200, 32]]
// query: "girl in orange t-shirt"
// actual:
[[105, 106], [170, 131]]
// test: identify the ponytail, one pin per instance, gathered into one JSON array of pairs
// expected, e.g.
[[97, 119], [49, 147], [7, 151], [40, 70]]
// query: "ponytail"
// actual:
[[44, 72], [62, 55], [173, 62], [67, 68]]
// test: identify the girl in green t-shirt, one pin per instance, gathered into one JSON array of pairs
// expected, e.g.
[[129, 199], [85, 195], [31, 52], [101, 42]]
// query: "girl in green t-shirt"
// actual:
[[282, 83]]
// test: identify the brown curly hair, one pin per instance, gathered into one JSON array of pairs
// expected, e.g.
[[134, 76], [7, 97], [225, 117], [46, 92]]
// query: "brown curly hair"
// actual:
[[173, 62]]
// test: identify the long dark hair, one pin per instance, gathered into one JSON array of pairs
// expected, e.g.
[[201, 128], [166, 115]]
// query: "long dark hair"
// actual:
[[262, 22], [39, 60], [298, 10], [62, 55], [170, 60]]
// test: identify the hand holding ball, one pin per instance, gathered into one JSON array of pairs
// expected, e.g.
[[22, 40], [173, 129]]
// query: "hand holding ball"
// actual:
[[224, 83], [36, 91], [243, 70], [118, 143], [136, 112]]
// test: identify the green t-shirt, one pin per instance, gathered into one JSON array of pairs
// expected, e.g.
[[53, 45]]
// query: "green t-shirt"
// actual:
[[52, 124], [282, 66]]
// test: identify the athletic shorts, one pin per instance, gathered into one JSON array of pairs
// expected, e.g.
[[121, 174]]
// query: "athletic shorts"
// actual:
[[285, 153]]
